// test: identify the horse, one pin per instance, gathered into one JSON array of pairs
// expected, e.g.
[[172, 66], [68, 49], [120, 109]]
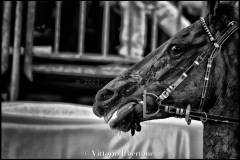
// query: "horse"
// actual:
[[193, 75]]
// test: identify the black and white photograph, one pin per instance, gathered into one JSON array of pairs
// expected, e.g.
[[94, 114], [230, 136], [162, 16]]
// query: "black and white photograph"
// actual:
[[120, 79]]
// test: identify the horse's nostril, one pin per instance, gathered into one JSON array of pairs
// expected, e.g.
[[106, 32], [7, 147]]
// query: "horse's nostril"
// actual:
[[105, 95]]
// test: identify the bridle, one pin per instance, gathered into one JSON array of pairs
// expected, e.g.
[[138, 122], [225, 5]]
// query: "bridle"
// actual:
[[187, 113]]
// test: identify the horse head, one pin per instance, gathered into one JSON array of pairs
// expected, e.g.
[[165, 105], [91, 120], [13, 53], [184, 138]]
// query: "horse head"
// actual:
[[181, 61]]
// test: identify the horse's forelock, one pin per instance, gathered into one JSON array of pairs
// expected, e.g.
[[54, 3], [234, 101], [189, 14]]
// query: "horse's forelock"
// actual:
[[222, 12]]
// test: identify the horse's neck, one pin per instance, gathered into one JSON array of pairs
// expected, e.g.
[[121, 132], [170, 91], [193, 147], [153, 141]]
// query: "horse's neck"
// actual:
[[221, 140]]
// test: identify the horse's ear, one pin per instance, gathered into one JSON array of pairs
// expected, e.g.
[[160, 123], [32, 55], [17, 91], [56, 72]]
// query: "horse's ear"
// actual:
[[222, 12], [212, 5], [220, 8]]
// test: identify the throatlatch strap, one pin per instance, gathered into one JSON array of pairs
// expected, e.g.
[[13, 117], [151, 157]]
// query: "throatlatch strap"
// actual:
[[233, 26]]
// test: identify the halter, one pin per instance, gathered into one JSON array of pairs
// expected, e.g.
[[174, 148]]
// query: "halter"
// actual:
[[187, 113]]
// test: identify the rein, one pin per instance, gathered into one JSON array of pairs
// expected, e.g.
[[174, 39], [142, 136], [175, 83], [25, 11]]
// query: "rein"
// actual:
[[187, 113]]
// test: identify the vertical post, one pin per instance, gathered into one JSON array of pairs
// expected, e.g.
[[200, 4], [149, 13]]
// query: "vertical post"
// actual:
[[57, 26], [105, 32], [14, 86], [204, 9], [29, 39], [82, 22], [178, 22], [6, 21], [130, 28], [154, 30]]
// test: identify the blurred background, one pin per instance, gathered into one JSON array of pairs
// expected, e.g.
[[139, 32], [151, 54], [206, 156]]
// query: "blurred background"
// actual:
[[56, 55], [66, 51]]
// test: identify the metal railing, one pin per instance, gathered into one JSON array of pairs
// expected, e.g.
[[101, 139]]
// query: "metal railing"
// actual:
[[105, 28], [28, 52]]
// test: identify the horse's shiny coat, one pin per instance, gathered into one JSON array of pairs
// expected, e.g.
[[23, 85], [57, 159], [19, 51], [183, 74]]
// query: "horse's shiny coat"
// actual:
[[164, 65]]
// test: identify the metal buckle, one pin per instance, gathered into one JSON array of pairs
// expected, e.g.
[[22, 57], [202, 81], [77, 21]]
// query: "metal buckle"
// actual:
[[204, 119], [231, 23], [145, 115]]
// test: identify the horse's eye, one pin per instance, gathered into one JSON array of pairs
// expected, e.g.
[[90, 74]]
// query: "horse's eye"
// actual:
[[176, 50], [130, 89]]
